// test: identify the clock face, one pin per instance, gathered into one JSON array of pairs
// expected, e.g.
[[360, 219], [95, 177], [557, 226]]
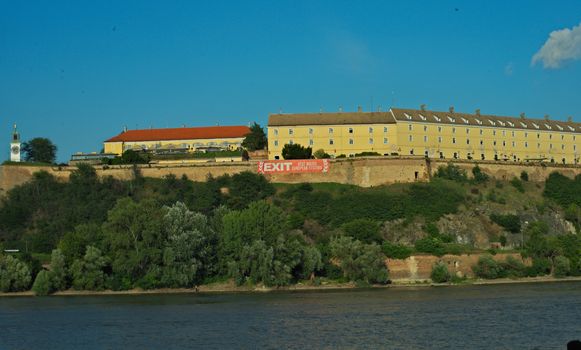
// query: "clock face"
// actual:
[[15, 149]]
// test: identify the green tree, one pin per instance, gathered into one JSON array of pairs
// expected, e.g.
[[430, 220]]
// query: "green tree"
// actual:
[[296, 151], [321, 154], [452, 172], [42, 284], [189, 254], [510, 222], [396, 251], [88, 273], [73, 244], [365, 230], [256, 139], [479, 176], [134, 236], [488, 268], [440, 273], [39, 149], [562, 266], [14, 274], [359, 261], [246, 187], [58, 271]]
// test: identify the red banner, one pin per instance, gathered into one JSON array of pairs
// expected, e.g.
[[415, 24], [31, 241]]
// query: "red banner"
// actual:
[[294, 166]]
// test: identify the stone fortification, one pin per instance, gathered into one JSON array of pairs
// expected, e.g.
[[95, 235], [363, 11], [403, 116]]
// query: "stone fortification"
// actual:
[[365, 172]]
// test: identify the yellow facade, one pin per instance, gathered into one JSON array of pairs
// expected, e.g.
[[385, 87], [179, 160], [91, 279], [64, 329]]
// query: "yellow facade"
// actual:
[[432, 134]]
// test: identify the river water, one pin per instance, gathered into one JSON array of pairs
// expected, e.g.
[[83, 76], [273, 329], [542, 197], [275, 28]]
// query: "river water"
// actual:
[[518, 316]]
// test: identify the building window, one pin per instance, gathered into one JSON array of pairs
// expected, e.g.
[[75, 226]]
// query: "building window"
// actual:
[[526, 134], [481, 131], [538, 145], [467, 141], [551, 146], [550, 136], [503, 133], [513, 134], [504, 143], [290, 131], [330, 130], [385, 140], [467, 130], [311, 131], [350, 141], [574, 147], [439, 129], [371, 141], [425, 139], [526, 144], [562, 146], [275, 131], [370, 130], [425, 128], [439, 139], [350, 130], [538, 136], [481, 142], [562, 137], [410, 137], [493, 132], [311, 142], [453, 140], [275, 143], [453, 130], [513, 144], [290, 142], [410, 127], [385, 129], [330, 141]]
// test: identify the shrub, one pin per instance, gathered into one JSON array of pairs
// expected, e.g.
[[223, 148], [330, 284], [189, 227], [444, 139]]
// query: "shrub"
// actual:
[[479, 176], [488, 268], [42, 284], [359, 262], [367, 154], [561, 266], [440, 273], [395, 251], [540, 267], [524, 176], [452, 172], [517, 183], [513, 267], [430, 245], [510, 222], [321, 154], [364, 230], [296, 151]]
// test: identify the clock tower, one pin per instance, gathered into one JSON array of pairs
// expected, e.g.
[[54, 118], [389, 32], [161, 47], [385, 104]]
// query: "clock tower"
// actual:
[[15, 146]]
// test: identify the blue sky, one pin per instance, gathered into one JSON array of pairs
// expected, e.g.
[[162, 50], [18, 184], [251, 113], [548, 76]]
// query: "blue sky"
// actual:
[[78, 71]]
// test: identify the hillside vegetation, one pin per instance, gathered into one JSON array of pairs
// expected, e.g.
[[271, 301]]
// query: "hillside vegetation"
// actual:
[[172, 232]]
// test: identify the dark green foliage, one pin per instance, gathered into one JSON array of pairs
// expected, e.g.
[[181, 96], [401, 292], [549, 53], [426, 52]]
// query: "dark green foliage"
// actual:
[[513, 267], [88, 273], [256, 139], [430, 245], [359, 261], [518, 184], [365, 230], [367, 154], [396, 251], [129, 157], [14, 274], [563, 190], [452, 172], [479, 177], [440, 273], [247, 187], [320, 154], [488, 268], [42, 284], [562, 266], [509, 222], [524, 176], [296, 151], [40, 150], [540, 267]]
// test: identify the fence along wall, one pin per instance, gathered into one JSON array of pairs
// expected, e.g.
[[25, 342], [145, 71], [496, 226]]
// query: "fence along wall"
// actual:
[[365, 172]]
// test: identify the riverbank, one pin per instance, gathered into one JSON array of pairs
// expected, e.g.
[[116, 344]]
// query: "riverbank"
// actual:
[[230, 287]]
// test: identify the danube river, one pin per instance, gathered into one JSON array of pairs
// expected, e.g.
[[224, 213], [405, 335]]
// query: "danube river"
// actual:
[[517, 316]]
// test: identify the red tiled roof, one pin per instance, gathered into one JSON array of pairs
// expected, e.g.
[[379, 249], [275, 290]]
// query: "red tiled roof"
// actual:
[[208, 132]]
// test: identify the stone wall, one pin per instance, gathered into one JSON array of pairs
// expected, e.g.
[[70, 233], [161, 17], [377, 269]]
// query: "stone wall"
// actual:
[[419, 267], [365, 172]]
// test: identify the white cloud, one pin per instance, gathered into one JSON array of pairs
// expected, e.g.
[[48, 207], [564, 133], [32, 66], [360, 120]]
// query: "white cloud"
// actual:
[[562, 45]]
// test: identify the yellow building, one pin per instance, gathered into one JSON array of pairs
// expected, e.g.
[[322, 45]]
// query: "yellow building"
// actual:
[[182, 139], [445, 135]]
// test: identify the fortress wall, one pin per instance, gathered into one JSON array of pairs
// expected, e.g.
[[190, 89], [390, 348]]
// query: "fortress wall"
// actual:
[[419, 267], [365, 172]]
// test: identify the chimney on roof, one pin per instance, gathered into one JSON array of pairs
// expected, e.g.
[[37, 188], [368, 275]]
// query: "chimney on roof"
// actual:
[[523, 116], [340, 109], [423, 107], [478, 112], [451, 109], [570, 119], [359, 109], [379, 108], [547, 117], [124, 128]]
